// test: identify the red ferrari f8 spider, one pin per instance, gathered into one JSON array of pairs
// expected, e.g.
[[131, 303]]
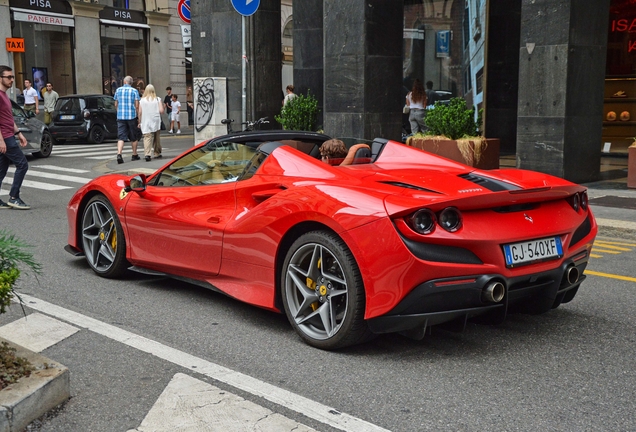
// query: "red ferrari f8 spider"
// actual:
[[393, 239]]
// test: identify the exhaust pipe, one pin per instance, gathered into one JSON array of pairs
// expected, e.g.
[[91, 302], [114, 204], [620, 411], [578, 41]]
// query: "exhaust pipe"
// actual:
[[494, 292], [572, 275]]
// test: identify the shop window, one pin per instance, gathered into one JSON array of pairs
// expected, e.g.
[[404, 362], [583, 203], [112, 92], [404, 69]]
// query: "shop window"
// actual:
[[123, 53], [49, 57]]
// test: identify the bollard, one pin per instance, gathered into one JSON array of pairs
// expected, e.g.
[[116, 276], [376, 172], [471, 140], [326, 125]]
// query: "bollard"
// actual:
[[631, 166]]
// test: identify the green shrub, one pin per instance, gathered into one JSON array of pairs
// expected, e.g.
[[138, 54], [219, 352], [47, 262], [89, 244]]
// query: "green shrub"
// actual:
[[12, 254], [454, 120], [299, 113]]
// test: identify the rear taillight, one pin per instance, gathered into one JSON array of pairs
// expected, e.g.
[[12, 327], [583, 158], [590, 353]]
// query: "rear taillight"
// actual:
[[87, 114]]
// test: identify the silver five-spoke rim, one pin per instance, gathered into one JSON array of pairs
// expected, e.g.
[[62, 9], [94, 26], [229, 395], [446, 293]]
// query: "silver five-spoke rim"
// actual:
[[316, 291], [100, 236]]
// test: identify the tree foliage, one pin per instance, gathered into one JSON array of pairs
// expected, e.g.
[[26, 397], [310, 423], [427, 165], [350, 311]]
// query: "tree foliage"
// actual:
[[12, 256], [299, 113], [454, 120]]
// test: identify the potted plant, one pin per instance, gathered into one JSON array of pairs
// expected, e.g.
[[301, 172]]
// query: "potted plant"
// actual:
[[299, 113], [12, 254], [454, 133]]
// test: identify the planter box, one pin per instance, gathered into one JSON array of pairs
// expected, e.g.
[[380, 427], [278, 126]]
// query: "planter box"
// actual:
[[489, 158]]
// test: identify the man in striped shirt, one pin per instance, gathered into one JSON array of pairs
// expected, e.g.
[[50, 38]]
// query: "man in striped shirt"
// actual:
[[127, 104]]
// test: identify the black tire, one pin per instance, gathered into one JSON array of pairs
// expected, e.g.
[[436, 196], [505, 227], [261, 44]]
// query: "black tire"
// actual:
[[103, 238], [46, 146], [322, 292], [96, 135]]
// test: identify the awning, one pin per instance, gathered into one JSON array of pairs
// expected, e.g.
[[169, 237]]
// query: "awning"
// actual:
[[123, 23]]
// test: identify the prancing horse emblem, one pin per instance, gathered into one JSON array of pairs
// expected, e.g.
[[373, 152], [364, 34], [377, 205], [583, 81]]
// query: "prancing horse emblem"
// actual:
[[528, 218]]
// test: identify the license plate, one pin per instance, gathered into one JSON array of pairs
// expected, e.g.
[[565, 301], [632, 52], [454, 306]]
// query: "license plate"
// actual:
[[67, 117], [533, 250]]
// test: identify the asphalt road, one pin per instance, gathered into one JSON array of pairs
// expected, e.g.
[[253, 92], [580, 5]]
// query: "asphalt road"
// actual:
[[570, 369]]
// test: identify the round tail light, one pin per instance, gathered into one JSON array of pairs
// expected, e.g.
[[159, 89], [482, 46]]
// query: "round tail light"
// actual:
[[423, 221], [576, 202], [450, 219], [87, 114], [584, 201]]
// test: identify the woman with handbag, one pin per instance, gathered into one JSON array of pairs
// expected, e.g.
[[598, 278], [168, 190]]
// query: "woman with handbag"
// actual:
[[416, 102], [150, 110]]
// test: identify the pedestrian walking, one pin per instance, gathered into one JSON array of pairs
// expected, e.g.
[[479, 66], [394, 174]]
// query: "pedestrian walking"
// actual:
[[127, 105], [31, 99], [174, 116], [50, 98], [290, 94], [150, 110], [190, 105], [416, 101], [167, 103], [10, 151]]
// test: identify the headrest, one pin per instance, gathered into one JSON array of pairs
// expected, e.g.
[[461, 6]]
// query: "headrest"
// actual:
[[358, 154]]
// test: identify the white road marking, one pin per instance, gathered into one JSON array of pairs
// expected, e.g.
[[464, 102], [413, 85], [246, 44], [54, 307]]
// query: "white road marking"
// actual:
[[37, 332], [616, 223], [277, 395], [35, 173], [34, 185], [189, 404], [59, 168]]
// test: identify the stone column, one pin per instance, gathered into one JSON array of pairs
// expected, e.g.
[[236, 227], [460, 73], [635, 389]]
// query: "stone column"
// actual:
[[217, 52], [308, 51], [88, 50], [158, 73], [265, 63], [363, 68], [561, 81]]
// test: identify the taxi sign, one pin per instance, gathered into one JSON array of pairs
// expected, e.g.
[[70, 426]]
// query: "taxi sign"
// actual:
[[15, 44], [246, 7]]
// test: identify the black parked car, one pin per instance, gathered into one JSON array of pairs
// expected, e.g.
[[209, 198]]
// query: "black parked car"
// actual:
[[84, 117]]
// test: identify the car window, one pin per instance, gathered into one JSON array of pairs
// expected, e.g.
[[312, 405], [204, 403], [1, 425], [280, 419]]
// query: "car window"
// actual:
[[70, 105], [109, 103], [92, 103], [213, 163], [17, 111]]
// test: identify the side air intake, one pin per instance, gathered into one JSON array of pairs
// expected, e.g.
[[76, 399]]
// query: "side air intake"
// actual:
[[488, 183]]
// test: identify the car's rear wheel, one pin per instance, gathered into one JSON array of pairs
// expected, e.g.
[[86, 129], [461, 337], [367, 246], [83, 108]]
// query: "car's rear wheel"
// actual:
[[322, 291], [96, 135], [46, 146], [103, 238]]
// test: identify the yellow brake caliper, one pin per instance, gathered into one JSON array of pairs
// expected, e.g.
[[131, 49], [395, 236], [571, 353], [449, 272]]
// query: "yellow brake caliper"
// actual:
[[113, 241], [311, 284]]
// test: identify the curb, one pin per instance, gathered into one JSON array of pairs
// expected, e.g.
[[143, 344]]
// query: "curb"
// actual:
[[31, 397]]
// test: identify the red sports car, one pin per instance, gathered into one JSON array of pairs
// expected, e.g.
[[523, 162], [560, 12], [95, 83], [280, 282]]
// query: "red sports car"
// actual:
[[392, 240]]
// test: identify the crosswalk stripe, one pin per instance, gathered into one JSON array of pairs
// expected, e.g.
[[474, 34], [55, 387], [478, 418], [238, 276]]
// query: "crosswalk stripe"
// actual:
[[34, 173], [72, 149], [97, 154], [35, 185], [58, 168]]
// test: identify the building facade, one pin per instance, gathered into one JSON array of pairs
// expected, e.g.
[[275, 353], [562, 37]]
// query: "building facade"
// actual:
[[90, 46]]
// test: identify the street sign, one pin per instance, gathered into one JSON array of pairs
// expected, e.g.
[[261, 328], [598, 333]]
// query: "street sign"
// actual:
[[183, 9], [246, 7], [442, 43], [15, 44]]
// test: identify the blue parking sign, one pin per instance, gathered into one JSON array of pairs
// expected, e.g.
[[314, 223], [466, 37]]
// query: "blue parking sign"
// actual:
[[442, 43], [246, 7]]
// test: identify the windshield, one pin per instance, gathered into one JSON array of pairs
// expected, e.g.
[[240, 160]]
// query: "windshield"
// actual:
[[211, 164]]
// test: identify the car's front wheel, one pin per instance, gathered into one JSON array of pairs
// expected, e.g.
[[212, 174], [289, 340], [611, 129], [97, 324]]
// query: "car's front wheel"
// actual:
[[96, 135], [322, 291], [103, 238], [46, 146]]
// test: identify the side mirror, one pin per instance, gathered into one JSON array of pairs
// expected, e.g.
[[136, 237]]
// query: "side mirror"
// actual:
[[136, 183]]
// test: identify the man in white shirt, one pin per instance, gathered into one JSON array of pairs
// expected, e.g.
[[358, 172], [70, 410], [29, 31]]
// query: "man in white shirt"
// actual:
[[31, 99]]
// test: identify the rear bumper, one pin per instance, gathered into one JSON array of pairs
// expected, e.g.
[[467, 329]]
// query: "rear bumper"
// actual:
[[69, 132], [444, 300]]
